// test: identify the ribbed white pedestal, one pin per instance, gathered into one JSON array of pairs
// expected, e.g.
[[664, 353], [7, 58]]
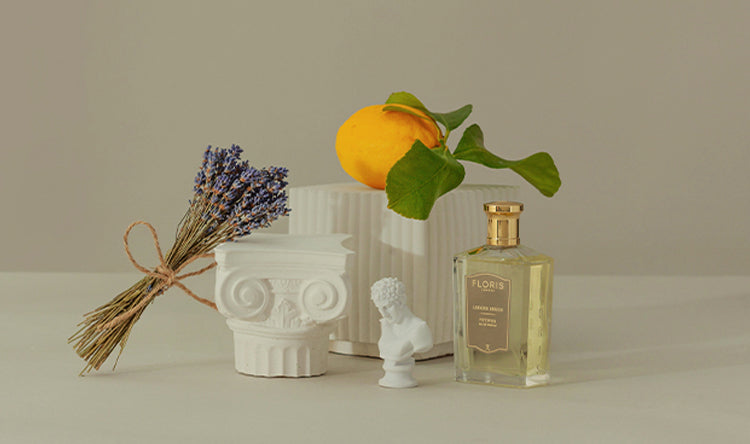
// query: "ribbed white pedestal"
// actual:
[[263, 351], [419, 253]]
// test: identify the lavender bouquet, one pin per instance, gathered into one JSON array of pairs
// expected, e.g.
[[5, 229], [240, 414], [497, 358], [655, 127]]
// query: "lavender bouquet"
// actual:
[[231, 199]]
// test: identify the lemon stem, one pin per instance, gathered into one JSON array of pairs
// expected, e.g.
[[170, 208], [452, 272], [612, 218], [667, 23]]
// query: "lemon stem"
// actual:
[[444, 139], [443, 146]]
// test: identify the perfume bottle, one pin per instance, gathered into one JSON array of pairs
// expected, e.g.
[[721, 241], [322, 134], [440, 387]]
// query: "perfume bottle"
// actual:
[[503, 302]]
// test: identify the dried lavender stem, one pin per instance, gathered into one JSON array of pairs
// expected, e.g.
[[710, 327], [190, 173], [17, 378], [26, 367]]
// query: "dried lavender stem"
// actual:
[[231, 199]]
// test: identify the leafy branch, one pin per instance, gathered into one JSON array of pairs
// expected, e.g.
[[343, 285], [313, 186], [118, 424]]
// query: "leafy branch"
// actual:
[[424, 174]]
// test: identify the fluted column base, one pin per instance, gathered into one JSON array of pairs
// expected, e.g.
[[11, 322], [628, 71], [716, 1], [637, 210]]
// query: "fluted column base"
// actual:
[[273, 352]]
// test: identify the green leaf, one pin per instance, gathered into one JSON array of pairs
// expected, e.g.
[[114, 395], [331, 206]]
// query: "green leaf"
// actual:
[[405, 98], [419, 178], [401, 109], [453, 119], [471, 147], [538, 169], [450, 121]]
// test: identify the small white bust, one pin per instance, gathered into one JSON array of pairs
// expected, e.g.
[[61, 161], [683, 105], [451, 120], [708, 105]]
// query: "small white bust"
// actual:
[[401, 333]]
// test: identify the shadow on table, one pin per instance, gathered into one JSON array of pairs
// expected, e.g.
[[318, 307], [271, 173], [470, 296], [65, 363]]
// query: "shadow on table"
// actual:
[[623, 342]]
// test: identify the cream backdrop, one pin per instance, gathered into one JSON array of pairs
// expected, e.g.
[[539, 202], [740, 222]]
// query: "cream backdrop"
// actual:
[[645, 106]]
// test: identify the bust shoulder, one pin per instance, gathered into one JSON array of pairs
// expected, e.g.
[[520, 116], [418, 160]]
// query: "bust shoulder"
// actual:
[[416, 323]]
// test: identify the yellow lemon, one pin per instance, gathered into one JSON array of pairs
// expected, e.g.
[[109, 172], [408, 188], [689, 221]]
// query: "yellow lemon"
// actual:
[[372, 140]]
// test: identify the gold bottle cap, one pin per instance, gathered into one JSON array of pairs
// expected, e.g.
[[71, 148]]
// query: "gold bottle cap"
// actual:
[[502, 223], [503, 207]]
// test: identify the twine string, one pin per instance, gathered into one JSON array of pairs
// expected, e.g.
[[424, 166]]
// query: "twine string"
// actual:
[[163, 272]]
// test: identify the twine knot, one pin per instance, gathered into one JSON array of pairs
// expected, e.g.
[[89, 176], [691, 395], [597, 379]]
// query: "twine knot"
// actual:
[[163, 272], [166, 274]]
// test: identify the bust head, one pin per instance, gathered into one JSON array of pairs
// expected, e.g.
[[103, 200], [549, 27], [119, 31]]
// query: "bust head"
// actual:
[[389, 295]]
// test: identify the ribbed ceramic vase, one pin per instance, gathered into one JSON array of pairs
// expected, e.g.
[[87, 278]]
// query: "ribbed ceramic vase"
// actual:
[[388, 245]]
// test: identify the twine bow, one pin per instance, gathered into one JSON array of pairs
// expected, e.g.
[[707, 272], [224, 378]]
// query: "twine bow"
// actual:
[[163, 272]]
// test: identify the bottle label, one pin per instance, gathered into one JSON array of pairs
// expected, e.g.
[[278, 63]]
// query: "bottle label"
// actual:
[[487, 312]]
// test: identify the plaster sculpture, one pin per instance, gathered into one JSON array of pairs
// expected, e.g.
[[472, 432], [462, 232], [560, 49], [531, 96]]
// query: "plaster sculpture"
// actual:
[[282, 295], [401, 333], [386, 244]]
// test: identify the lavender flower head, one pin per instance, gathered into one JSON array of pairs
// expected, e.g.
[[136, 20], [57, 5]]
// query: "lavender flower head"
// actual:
[[238, 198]]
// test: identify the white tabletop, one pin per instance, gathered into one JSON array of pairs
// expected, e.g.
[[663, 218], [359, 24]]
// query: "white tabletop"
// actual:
[[634, 359]]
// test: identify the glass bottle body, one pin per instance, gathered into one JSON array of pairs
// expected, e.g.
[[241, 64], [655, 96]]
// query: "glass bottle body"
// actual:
[[503, 302]]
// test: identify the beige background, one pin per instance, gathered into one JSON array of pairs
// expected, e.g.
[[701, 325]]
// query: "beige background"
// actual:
[[645, 106]]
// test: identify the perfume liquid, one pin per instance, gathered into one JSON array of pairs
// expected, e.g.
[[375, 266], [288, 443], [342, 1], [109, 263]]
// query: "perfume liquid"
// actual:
[[503, 301]]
